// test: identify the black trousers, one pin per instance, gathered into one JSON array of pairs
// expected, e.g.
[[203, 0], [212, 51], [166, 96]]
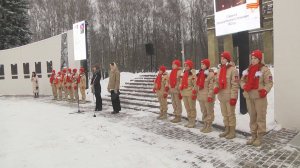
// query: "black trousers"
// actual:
[[115, 100], [98, 101]]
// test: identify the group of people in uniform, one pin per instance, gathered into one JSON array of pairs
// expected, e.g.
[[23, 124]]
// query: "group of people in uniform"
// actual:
[[67, 83], [222, 82]]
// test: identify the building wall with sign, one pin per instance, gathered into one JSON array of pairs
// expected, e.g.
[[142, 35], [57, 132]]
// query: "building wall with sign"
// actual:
[[287, 59], [17, 64]]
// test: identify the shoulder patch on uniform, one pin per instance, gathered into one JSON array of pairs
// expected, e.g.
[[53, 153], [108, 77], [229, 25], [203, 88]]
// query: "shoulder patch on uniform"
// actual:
[[236, 78], [270, 78]]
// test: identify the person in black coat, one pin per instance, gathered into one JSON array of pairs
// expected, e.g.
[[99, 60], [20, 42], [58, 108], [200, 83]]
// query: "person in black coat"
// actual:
[[95, 83]]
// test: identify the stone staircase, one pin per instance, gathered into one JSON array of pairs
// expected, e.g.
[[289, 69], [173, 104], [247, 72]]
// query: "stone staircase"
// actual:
[[137, 94]]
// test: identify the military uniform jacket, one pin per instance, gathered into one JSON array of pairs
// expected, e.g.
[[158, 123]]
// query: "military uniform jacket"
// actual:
[[265, 82]]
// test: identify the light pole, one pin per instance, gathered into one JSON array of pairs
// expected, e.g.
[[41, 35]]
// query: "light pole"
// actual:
[[181, 28]]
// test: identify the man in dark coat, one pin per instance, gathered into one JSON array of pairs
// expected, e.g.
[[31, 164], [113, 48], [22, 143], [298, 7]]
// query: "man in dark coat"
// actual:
[[95, 83]]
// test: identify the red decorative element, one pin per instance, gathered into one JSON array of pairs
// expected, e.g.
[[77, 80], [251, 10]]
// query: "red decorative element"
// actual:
[[210, 100], [180, 96], [233, 102], [194, 92], [173, 78], [194, 97], [184, 82], [158, 81], [222, 77], [201, 79], [252, 82], [165, 95], [216, 90], [262, 93], [166, 88]]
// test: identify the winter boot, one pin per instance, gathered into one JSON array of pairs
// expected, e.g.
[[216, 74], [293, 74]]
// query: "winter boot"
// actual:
[[226, 131], [160, 115], [204, 127], [164, 116], [258, 140], [208, 128], [250, 141], [177, 119], [231, 133], [191, 123]]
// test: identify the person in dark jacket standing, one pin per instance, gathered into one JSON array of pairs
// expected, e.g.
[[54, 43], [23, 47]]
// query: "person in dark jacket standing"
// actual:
[[95, 83], [114, 87]]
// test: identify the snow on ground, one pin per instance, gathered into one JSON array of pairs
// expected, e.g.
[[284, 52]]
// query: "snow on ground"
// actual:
[[38, 134]]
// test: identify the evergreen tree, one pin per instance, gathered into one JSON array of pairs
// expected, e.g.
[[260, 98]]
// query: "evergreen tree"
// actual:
[[14, 23]]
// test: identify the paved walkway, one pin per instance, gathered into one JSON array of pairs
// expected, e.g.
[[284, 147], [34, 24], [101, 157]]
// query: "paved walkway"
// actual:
[[204, 148]]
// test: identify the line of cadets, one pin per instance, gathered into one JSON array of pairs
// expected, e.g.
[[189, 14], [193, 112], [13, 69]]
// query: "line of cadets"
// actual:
[[224, 82], [66, 84]]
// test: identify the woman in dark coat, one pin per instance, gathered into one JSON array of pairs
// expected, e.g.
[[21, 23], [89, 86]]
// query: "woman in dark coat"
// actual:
[[95, 83]]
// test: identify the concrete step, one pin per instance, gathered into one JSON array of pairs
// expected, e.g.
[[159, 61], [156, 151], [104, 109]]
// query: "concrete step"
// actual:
[[141, 99], [133, 90], [139, 94], [138, 87], [139, 84], [141, 81], [136, 103]]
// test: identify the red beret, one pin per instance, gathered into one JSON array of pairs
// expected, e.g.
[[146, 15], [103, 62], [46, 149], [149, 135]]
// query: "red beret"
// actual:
[[226, 55], [206, 62], [257, 54], [162, 68], [189, 63], [177, 62]]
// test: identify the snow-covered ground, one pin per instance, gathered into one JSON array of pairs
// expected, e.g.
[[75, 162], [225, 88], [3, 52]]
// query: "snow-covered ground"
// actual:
[[43, 134]]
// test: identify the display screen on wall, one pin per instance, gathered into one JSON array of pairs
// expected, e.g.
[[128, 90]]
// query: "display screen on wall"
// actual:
[[38, 69], [2, 71], [79, 39], [26, 70], [14, 71], [236, 15], [49, 68]]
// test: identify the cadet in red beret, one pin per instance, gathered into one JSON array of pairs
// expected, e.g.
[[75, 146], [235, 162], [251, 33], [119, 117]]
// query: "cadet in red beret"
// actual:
[[257, 81]]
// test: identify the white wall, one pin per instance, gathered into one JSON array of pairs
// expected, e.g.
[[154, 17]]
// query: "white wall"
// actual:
[[42, 51], [287, 61]]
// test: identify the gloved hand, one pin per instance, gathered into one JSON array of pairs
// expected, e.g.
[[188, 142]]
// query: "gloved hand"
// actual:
[[233, 102], [258, 74], [247, 88], [116, 91], [166, 88], [194, 97], [165, 95], [180, 96], [216, 90], [209, 99], [262, 93], [154, 90], [245, 72]]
